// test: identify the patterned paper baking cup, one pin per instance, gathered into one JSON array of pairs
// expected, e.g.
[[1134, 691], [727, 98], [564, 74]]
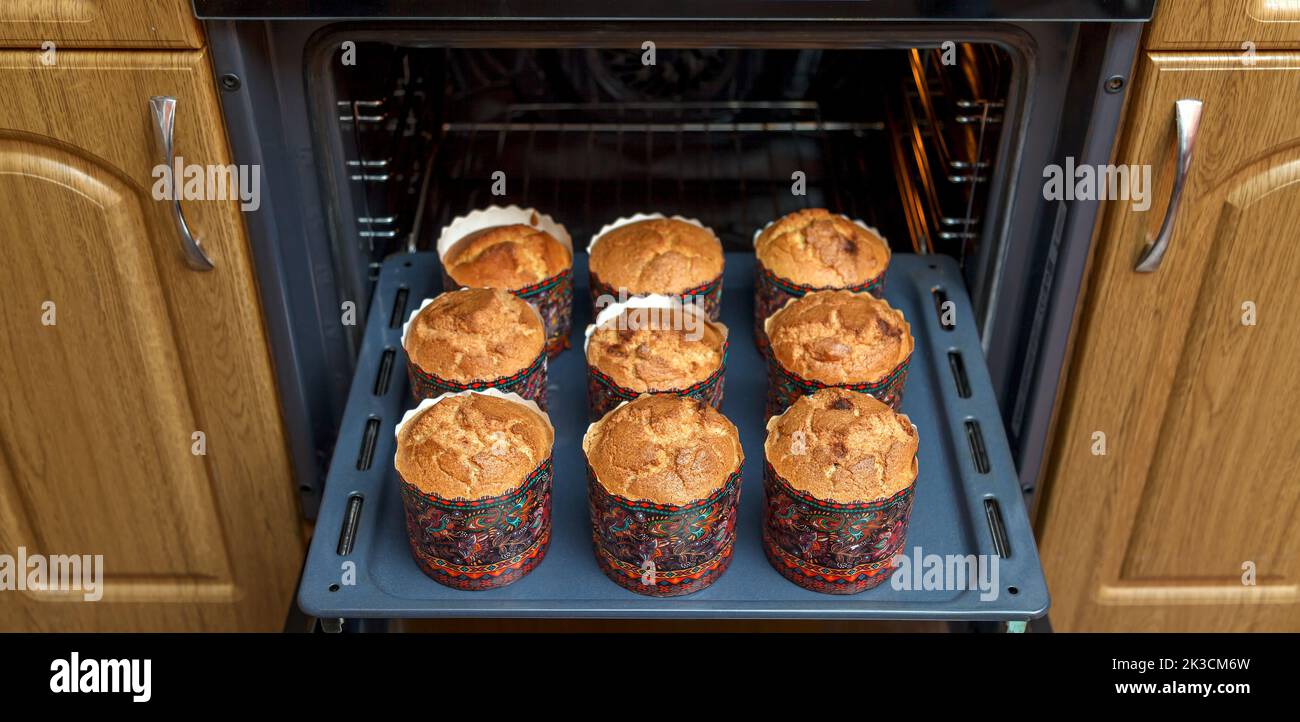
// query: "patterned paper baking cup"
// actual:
[[552, 297], [771, 292], [529, 382], [707, 295], [480, 543], [784, 387], [831, 547], [604, 393], [663, 550]]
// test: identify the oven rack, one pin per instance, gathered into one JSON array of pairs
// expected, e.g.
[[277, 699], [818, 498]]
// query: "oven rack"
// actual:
[[945, 123], [733, 162], [968, 501]]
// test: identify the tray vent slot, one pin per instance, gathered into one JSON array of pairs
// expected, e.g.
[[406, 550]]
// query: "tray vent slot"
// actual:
[[975, 438], [351, 518], [368, 439], [944, 309], [385, 374], [993, 513], [958, 368], [399, 308]]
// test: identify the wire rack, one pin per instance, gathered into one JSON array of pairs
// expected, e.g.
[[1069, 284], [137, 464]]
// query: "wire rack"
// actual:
[[945, 125], [908, 149], [734, 165]]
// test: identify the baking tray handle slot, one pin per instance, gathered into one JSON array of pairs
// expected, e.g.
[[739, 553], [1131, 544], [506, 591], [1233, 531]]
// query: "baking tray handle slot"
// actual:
[[368, 439], [959, 378], [385, 375], [399, 308], [993, 513], [975, 438], [351, 518]]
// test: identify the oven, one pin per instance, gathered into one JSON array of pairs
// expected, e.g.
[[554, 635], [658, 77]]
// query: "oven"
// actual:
[[376, 123]]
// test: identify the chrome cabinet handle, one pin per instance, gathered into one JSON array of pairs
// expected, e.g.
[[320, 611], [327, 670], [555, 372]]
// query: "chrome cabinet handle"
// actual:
[[1188, 116], [164, 116]]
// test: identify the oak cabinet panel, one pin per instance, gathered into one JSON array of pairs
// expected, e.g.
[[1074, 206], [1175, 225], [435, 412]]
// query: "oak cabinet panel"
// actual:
[[1236, 25], [115, 354], [1191, 518], [99, 24]]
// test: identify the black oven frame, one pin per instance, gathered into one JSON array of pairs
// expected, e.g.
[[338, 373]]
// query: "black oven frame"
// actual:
[[1066, 99]]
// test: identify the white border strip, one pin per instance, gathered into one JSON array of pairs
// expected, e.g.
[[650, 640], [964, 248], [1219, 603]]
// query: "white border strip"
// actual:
[[638, 217], [494, 216], [427, 404], [654, 300]]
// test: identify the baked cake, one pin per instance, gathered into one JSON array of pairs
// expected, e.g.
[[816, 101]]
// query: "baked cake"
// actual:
[[839, 337], [820, 249], [657, 255], [663, 448], [475, 334], [655, 356], [472, 446], [508, 257], [838, 489], [843, 446]]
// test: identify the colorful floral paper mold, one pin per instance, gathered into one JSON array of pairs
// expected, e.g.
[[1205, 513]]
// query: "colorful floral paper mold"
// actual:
[[604, 394], [707, 295], [663, 550], [552, 297], [481, 543], [784, 387], [827, 546], [771, 292], [529, 382]]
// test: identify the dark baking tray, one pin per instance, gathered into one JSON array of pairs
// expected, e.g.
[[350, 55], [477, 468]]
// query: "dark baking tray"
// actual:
[[967, 497]]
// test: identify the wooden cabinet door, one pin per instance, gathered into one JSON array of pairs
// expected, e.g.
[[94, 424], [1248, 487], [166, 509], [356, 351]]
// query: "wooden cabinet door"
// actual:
[[1190, 520], [1243, 26], [114, 354], [99, 24]]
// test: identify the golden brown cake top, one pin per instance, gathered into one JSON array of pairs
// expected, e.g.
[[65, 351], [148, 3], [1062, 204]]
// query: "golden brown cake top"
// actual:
[[652, 352], [508, 257], [663, 448], [659, 255], [475, 334], [815, 247], [472, 446], [843, 446], [839, 337]]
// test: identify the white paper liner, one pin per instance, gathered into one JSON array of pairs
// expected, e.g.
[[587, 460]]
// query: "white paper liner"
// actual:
[[637, 218], [654, 300], [493, 216], [411, 318], [426, 404], [586, 435], [767, 322]]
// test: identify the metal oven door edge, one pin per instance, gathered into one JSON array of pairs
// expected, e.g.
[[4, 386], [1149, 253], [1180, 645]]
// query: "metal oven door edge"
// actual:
[[1028, 317]]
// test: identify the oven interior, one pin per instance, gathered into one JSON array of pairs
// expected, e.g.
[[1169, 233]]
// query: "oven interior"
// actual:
[[904, 139], [409, 134]]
